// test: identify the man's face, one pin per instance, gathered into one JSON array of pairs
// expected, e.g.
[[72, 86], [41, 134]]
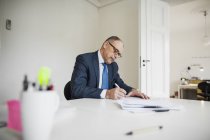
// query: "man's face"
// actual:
[[112, 51]]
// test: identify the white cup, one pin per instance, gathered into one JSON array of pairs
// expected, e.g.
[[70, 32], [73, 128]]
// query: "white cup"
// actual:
[[38, 110]]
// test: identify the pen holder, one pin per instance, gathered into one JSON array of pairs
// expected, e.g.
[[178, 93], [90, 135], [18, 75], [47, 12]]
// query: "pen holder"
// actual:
[[38, 109]]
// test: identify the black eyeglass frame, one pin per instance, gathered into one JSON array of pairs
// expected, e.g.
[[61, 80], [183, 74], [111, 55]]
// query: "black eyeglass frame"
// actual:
[[116, 51]]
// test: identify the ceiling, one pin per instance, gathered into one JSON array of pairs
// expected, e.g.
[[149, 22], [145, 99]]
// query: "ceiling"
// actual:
[[177, 2], [103, 3]]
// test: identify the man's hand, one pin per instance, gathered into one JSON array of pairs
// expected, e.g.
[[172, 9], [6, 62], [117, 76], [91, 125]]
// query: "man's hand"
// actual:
[[135, 93], [115, 93]]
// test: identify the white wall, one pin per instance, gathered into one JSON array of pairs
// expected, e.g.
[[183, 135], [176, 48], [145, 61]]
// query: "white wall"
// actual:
[[187, 31], [121, 19], [44, 33], [52, 33], [1, 22]]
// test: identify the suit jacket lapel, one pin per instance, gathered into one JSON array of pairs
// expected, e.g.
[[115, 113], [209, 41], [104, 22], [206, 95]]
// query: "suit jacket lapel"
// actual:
[[96, 66]]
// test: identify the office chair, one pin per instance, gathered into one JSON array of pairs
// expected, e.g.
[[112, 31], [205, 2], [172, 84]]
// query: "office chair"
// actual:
[[67, 91], [205, 89]]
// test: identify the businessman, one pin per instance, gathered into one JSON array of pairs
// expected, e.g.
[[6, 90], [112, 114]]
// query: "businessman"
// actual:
[[95, 74]]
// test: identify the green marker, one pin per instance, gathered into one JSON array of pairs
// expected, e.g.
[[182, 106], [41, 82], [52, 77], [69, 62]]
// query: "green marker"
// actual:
[[44, 76]]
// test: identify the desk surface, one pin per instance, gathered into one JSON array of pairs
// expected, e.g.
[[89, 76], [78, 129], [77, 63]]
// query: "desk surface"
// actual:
[[101, 119]]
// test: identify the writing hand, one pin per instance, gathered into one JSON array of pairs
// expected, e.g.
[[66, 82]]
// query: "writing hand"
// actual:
[[115, 93]]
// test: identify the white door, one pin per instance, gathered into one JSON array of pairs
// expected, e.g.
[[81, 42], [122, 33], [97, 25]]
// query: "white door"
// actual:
[[154, 48]]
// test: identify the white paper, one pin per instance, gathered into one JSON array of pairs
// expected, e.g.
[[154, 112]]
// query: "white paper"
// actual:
[[140, 105]]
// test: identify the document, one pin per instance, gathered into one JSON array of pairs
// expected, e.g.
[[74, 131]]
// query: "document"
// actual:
[[133, 104]]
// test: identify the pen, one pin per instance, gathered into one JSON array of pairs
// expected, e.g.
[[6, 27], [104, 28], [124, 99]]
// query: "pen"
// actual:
[[117, 85], [161, 110], [143, 130], [151, 106]]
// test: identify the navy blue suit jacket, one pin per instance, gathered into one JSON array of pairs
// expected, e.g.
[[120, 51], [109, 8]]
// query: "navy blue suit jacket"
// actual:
[[85, 77]]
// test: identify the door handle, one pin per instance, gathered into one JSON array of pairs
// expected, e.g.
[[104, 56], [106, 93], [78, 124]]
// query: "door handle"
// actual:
[[146, 61]]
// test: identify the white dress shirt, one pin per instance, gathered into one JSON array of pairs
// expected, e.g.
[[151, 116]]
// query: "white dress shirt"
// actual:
[[101, 67]]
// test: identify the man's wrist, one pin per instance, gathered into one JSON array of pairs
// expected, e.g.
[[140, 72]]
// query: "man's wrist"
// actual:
[[107, 94]]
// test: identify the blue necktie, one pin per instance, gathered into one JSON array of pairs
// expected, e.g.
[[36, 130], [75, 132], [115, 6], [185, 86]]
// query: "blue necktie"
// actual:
[[105, 83]]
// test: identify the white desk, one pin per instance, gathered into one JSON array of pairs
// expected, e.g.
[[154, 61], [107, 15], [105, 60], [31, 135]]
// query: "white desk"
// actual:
[[101, 119], [181, 88]]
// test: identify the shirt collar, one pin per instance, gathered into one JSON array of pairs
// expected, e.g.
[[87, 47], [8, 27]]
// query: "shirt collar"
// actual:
[[100, 58]]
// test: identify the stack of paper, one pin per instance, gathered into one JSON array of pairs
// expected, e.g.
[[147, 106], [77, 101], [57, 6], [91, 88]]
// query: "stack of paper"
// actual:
[[141, 105]]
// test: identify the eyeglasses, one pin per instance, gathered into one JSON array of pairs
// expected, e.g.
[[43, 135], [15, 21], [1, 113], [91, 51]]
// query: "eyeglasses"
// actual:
[[116, 51]]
